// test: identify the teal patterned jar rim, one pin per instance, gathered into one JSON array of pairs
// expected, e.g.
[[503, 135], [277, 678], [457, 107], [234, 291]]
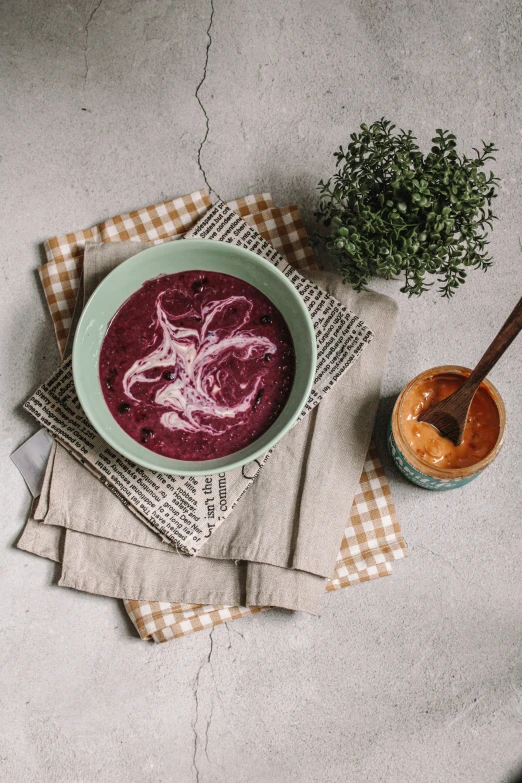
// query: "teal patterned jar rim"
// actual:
[[427, 467]]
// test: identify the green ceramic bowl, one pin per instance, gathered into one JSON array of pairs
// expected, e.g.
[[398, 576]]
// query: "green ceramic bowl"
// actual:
[[170, 258]]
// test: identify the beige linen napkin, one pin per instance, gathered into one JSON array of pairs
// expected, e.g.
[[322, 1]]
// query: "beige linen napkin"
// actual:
[[323, 453], [372, 539]]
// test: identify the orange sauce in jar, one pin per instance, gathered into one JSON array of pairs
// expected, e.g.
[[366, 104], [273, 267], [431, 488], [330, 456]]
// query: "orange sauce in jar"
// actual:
[[480, 434]]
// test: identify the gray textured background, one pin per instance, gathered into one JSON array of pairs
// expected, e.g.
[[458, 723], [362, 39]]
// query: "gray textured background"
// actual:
[[412, 678]]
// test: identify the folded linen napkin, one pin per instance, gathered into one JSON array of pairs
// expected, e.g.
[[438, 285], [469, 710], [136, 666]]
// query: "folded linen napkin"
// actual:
[[304, 535], [279, 225], [306, 497], [186, 511], [372, 540]]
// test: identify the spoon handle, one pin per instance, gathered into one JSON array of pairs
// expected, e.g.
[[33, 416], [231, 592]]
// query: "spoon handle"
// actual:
[[503, 340]]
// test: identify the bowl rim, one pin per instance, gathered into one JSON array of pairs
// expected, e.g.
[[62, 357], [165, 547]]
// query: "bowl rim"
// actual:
[[204, 467]]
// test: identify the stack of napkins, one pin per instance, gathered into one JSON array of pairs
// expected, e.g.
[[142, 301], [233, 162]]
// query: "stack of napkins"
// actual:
[[285, 516]]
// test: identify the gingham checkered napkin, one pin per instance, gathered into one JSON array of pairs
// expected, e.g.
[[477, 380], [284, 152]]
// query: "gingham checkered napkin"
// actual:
[[372, 538]]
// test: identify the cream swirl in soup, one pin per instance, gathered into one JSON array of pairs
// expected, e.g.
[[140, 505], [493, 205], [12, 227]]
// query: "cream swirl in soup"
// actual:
[[197, 365]]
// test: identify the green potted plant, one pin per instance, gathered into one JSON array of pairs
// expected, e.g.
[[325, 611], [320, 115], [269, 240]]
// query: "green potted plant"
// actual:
[[393, 211]]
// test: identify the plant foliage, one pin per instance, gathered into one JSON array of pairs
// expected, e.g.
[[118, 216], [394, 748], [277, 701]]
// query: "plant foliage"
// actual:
[[393, 211]]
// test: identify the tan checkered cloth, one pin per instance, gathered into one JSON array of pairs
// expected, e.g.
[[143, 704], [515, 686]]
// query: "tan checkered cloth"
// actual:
[[372, 537]]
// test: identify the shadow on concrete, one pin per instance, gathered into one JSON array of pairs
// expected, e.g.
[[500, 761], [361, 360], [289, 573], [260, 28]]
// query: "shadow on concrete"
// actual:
[[514, 777], [129, 625], [380, 438]]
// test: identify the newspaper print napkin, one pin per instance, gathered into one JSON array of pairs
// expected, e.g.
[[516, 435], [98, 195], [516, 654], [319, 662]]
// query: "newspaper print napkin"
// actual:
[[178, 507], [373, 537]]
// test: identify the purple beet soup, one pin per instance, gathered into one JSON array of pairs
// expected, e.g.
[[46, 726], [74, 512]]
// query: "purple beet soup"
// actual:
[[196, 365]]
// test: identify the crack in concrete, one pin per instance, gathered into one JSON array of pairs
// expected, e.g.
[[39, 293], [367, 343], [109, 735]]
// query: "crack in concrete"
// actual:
[[235, 631], [238, 633], [205, 662], [436, 554], [229, 641], [86, 43], [209, 721], [198, 88]]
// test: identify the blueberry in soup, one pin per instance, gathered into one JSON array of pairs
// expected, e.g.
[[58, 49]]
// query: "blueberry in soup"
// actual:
[[196, 365]]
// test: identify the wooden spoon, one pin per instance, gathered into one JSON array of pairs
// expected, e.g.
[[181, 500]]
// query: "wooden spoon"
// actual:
[[449, 416]]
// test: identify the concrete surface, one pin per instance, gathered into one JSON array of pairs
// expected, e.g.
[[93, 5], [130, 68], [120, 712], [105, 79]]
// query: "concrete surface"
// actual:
[[413, 678]]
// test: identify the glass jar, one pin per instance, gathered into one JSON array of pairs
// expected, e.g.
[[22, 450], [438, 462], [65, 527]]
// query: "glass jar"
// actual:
[[423, 473]]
